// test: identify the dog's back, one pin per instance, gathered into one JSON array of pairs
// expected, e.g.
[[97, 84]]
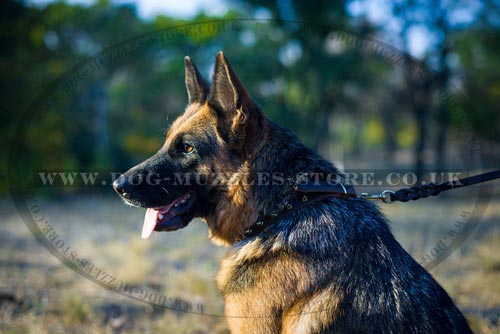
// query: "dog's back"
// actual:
[[331, 267]]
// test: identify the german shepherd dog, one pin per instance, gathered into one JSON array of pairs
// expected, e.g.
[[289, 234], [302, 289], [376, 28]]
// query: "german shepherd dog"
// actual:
[[332, 266]]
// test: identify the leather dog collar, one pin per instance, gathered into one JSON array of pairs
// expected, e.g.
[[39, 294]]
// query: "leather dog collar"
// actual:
[[305, 194]]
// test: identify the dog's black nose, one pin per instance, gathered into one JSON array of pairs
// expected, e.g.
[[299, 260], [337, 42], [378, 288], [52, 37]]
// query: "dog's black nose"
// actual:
[[122, 186]]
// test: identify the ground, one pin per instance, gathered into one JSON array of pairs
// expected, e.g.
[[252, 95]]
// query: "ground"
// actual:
[[39, 294]]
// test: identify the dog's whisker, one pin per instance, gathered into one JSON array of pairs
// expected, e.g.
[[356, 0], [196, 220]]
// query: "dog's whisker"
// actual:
[[165, 190]]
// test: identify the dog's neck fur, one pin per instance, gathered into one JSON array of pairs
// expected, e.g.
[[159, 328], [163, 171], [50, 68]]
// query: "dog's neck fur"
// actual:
[[252, 195]]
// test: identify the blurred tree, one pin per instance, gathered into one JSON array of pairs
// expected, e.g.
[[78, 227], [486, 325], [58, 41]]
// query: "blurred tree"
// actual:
[[479, 51], [439, 20], [318, 78], [417, 90], [338, 97]]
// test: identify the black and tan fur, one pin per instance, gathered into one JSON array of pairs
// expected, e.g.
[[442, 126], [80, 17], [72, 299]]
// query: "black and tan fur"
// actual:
[[330, 267]]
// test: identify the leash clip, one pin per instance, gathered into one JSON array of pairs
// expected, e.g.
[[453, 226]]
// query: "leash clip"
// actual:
[[384, 196]]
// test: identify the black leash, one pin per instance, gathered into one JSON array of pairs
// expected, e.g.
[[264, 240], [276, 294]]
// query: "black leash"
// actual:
[[308, 193], [431, 189]]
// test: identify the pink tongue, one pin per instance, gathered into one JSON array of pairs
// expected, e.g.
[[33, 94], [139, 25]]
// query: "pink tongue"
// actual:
[[150, 220]]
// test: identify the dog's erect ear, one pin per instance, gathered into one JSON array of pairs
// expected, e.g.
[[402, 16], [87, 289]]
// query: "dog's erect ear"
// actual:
[[228, 95], [239, 120], [196, 86]]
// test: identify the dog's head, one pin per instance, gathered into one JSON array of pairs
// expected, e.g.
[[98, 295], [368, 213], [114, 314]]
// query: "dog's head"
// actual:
[[193, 172]]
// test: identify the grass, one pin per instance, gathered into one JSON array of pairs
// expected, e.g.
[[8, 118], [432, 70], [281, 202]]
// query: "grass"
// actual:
[[39, 294], [75, 309], [133, 267]]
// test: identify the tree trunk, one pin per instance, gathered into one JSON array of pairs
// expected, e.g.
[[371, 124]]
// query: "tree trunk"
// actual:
[[442, 110]]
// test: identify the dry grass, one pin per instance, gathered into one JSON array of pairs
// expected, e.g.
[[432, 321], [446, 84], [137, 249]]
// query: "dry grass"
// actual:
[[133, 267], [38, 294]]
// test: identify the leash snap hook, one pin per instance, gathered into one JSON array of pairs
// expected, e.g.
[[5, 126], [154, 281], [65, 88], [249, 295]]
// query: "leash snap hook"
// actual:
[[384, 196]]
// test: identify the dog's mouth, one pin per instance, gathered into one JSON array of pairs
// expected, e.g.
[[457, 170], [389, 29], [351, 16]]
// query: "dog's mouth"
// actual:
[[170, 217]]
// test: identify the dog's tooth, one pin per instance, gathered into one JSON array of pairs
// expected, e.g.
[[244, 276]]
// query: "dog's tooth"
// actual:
[[183, 201], [176, 204], [188, 195], [160, 216]]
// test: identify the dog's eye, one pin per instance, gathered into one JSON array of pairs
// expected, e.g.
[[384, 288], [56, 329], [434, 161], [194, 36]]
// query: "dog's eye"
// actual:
[[186, 148]]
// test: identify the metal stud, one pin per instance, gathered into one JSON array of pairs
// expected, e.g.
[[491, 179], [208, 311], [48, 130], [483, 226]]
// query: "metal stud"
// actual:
[[304, 199], [289, 206], [248, 231], [259, 223], [273, 215]]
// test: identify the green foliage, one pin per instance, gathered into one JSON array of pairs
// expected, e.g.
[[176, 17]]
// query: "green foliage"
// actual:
[[115, 115], [478, 51]]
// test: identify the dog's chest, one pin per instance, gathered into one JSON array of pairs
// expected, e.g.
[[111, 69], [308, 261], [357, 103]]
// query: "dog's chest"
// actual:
[[239, 268], [244, 286]]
